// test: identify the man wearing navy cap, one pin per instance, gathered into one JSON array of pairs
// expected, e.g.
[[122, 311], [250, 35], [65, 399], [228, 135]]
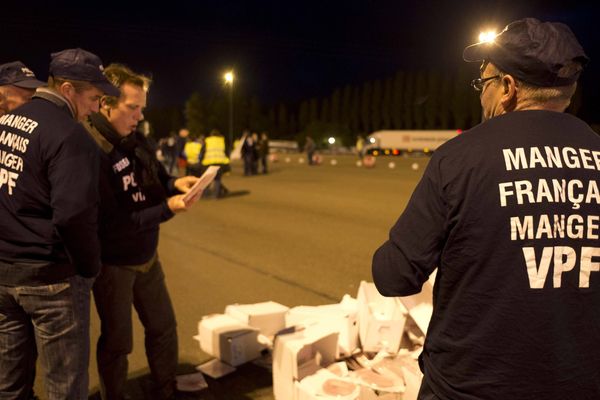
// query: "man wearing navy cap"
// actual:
[[508, 213], [77, 82], [17, 85], [49, 250]]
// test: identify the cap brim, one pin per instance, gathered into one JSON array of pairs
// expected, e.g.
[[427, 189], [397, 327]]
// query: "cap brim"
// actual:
[[107, 88], [476, 52], [29, 84]]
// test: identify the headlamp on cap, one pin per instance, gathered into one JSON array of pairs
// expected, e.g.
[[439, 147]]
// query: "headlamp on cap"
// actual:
[[545, 54], [487, 37]]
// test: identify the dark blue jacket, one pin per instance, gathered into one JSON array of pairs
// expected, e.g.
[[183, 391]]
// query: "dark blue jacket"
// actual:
[[509, 214], [48, 195], [134, 187]]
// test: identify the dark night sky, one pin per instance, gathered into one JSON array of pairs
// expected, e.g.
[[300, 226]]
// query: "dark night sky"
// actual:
[[280, 50]]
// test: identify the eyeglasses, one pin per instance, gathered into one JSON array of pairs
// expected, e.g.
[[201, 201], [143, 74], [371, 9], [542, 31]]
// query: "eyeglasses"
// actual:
[[479, 83]]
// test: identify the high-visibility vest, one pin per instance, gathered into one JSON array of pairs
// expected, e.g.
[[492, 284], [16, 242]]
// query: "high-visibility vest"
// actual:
[[214, 152], [192, 152]]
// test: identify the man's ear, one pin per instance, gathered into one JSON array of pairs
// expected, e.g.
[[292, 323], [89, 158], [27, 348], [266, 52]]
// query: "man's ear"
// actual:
[[104, 106], [104, 103], [509, 93], [66, 89]]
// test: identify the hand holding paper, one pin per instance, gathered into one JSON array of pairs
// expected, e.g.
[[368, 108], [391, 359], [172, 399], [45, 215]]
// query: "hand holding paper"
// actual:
[[207, 177], [185, 183], [176, 203]]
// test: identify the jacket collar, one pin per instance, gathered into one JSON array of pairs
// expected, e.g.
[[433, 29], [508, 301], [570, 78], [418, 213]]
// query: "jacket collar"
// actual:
[[54, 97]]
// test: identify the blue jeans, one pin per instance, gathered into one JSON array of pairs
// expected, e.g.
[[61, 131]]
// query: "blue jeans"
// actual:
[[56, 319]]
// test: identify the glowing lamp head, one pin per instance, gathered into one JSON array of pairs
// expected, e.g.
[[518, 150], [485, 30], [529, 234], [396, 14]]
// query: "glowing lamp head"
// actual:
[[228, 77], [487, 37], [331, 140]]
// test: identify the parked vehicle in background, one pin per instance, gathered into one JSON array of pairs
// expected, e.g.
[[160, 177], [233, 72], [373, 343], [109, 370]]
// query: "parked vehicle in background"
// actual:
[[283, 146], [406, 142]]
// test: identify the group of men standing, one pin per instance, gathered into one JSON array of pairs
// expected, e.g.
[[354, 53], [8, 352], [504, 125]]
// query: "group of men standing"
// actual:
[[82, 196], [254, 151], [507, 212], [199, 153]]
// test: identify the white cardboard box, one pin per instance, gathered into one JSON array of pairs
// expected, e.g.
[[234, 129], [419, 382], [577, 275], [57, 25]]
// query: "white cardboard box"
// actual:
[[420, 305], [215, 368], [341, 318], [380, 319], [300, 354], [228, 339], [368, 394], [312, 387], [412, 380], [268, 317]]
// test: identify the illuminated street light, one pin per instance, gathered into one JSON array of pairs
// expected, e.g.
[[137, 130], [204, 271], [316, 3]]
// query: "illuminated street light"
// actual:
[[229, 77], [331, 140], [487, 37]]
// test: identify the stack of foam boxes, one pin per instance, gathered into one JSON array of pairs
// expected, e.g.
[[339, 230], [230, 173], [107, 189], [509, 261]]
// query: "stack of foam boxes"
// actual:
[[312, 346], [240, 335], [304, 366], [328, 333]]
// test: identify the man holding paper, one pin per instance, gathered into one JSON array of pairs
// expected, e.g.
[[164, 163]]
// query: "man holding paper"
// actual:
[[137, 195]]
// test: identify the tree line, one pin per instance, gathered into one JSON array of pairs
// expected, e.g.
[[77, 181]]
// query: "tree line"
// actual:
[[408, 100]]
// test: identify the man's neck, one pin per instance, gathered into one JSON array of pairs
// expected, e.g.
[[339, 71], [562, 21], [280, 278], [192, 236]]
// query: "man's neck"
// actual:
[[44, 92], [548, 106]]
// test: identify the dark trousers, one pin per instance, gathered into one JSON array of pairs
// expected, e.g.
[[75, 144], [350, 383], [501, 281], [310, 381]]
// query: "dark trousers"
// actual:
[[247, 165], [217, 189], [115, 291], [263, 161], [194, 169], [171, 160]]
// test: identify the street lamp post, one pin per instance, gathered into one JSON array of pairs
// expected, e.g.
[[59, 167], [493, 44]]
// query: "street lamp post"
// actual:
[[229, 81]]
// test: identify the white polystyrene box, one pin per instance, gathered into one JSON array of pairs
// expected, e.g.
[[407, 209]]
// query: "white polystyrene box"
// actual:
[[412, 380], [420, 305], [299, 354], [341, 318], [380, 320], [229, 340], [268, 317], [312, 387], [367, 393]]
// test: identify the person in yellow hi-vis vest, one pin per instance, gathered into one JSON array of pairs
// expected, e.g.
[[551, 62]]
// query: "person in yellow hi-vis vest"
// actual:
[[191, 153], [214, 152]]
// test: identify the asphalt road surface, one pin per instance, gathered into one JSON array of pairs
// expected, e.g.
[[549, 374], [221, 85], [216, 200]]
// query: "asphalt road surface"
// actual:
[[300, 235]]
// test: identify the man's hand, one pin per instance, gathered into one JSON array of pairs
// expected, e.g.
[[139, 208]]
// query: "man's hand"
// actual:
[[176, 203], [185, 183]]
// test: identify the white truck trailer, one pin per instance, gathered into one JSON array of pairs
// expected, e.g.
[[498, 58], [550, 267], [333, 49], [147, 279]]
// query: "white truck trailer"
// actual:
[[406, 141]]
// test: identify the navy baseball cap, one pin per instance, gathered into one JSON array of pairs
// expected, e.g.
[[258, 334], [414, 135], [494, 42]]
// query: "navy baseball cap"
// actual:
[[534, 52], [17, 74], [81, 65]]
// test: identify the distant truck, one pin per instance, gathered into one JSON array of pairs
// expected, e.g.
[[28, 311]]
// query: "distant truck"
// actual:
[[283, 146], [401, 142]]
